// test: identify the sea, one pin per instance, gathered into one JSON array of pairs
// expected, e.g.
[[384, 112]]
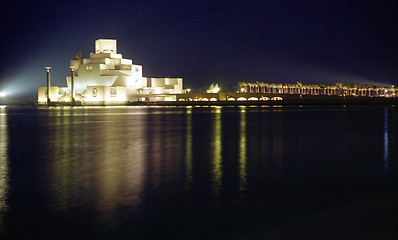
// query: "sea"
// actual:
[[199, 172]]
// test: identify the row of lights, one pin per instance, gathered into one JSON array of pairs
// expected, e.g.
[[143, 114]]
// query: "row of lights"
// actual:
[[233, 99]]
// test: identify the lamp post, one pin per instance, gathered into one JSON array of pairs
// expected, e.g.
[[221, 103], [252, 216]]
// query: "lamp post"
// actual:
[[72, 80], [48, 85]]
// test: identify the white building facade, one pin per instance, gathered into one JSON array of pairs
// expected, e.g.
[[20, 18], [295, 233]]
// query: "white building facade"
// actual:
[[106, 78]]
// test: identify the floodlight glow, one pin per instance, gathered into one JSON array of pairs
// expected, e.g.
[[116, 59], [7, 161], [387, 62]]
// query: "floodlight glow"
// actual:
[[2, 94]]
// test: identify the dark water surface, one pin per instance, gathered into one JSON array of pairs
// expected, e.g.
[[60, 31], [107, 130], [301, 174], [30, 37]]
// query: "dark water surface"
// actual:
[[199, 173]]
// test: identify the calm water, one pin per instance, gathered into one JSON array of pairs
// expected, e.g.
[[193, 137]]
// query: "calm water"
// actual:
[[199, 173]]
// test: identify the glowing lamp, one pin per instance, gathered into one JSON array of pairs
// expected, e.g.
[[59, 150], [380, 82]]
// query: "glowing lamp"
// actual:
[[2, 94]]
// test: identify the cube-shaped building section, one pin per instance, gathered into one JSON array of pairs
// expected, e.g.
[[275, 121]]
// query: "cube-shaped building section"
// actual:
[[106, 78], [105, 45]]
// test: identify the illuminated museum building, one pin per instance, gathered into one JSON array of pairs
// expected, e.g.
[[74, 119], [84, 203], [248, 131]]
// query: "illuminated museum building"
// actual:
[[108, 78]]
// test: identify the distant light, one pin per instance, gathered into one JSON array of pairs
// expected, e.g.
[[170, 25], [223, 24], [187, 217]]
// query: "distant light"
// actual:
[[213, 88], [2, 94]]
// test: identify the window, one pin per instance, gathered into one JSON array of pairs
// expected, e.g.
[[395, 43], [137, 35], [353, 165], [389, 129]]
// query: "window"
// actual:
[[89, 68], [113, 92], [94, 92]]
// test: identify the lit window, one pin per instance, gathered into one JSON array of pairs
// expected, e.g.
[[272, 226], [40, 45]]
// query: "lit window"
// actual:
[[113, 92], [94, 92], [89, 68]]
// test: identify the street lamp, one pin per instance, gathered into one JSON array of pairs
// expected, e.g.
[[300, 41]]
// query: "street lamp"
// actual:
[[72, 80], [48, 85]]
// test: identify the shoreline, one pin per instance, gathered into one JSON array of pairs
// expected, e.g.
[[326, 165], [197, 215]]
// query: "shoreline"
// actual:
[[313, 101], [287, 102]]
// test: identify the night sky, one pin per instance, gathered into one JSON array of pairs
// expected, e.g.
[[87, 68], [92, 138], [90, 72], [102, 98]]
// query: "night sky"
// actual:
[[204, 41]]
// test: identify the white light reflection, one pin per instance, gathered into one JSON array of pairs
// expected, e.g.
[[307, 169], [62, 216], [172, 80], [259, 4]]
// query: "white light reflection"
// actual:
[[386, 155], [3, 165], [217, 151]]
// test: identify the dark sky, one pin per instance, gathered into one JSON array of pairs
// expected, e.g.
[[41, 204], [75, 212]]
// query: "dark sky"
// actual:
[[205, 41]]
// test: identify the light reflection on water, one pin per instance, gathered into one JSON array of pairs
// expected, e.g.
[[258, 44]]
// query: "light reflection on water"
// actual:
[[188, 150], [167, 169], [242, 150], [217, 152], [386, 145], [97, 162], [3, 165]]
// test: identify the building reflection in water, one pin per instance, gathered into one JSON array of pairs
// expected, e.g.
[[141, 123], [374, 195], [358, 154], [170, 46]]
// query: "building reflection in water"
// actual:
[[120, 162], [165, 157], [386, 144], [98, 159], [3, 164], [217, 152], [188, 149], [242, 150]]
